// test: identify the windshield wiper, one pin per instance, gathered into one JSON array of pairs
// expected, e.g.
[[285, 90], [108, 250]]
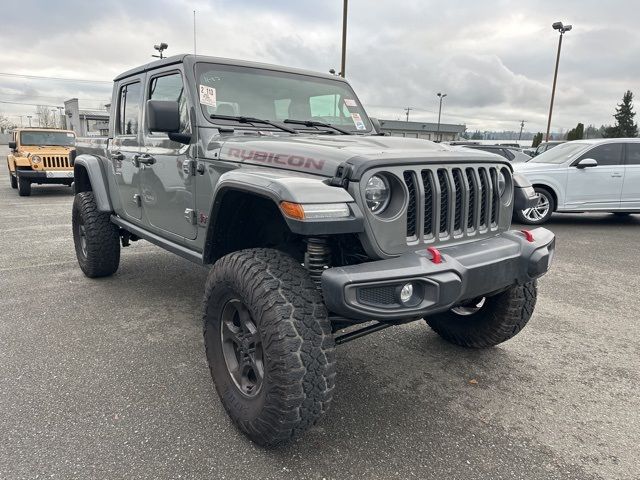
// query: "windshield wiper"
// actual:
[[241, 119], [312, 123]]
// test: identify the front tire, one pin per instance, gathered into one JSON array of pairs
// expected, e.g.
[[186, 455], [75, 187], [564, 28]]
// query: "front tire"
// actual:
[[269, 344], [541, 212], [96, 239], [13, 180], [490, 321], [24, 186]]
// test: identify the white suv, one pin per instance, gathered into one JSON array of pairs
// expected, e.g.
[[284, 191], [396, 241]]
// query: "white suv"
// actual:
[[584, 176]]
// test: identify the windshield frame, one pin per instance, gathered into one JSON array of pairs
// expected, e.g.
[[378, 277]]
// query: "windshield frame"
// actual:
[[197, 70], [558, 152], [48, 132]]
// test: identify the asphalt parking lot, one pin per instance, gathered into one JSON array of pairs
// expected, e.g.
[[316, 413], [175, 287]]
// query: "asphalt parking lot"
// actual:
[[107, 378]]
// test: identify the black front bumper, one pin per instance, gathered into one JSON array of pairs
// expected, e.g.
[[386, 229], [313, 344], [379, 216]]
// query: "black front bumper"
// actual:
[[370, 291], [36, 176]]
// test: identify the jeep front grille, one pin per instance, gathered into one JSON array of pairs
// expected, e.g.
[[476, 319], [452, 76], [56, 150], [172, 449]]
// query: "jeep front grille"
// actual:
[[56, 161], [451, 202]]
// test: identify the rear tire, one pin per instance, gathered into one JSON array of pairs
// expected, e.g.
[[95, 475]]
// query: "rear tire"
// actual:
[[24, 186], [13, 180], [96, 239], [269, 344], [541, 213], [500, 318]]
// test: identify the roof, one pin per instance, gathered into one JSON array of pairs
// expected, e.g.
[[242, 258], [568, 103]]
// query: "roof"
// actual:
[[94, 113], [40, 129], [190, 60], [593, 141], [401, 125]]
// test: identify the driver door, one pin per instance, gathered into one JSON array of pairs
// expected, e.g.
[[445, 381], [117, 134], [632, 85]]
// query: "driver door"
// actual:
[[597, 187]]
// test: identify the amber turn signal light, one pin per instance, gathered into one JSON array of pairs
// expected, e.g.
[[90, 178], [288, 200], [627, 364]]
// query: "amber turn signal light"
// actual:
[[292, 210]]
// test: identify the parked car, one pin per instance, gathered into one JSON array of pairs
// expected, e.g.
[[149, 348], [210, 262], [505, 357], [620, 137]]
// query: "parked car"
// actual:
[[311, 221], [544, 146], [40, 156], [584, 176], [514, 155]]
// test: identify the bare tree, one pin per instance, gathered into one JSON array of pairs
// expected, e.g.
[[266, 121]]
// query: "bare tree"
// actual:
[[45, 117], [5, 124]]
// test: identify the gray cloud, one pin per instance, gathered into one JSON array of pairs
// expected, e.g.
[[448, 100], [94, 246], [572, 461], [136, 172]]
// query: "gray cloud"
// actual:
[[493, 58]]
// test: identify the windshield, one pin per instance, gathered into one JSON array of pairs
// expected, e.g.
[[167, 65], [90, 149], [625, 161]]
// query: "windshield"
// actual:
[[559, 154], [65, 139], [277, 96]]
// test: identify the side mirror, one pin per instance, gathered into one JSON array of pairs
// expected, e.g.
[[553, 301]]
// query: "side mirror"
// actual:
[[12, 145], [163, 116], [587, 163]]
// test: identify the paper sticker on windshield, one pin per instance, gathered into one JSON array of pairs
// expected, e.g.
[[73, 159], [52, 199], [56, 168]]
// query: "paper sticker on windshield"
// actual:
[[357, 120], [207, 96], [71, 135], [350, 102]]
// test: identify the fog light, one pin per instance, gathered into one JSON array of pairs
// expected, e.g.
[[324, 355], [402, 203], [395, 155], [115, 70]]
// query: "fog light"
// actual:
[[406, 293]]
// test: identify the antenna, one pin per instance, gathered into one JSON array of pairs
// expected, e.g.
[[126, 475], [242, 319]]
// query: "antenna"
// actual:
[[194, 33]]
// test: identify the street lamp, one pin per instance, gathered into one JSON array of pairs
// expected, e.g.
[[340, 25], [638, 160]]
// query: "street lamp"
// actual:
[[562, 29], [160, 48], [441, 95]]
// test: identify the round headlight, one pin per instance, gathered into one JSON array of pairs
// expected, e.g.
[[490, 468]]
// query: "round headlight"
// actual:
[[377, 193], [35, 158], [502, 183]]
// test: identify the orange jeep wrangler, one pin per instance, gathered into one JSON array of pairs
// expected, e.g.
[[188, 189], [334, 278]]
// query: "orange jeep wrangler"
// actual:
[[40, 155]]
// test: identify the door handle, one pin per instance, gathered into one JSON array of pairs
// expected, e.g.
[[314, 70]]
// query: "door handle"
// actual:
[[143, 159], [117, 156]]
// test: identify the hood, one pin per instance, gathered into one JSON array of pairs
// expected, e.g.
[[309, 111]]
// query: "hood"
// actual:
[[535, 167], [322, 154], [46, 149]]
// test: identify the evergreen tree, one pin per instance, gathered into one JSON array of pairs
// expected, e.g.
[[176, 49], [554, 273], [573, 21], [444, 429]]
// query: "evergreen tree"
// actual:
[[476, 135], [537, 139], [576, 133], [625, 126]]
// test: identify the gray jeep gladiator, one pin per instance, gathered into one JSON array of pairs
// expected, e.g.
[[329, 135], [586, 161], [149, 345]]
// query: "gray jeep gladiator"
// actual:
[[319, 230]]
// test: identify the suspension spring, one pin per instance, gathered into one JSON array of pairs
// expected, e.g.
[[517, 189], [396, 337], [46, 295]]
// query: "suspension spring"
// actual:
[[317, 258]]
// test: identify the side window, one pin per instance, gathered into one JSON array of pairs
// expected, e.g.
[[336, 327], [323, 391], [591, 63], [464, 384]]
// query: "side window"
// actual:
[[129, 109], [608, 154], [170, 87], [633, 153], [508, 154]]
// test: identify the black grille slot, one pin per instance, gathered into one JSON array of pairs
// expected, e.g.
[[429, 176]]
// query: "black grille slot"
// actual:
[[409, 180], [444, 200], [471, 179], [384, 295], [495, 203], [458, 184], [427, 182], [482, 173]]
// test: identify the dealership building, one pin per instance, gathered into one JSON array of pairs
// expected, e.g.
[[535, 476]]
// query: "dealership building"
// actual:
[[429, 131], [86, 122]]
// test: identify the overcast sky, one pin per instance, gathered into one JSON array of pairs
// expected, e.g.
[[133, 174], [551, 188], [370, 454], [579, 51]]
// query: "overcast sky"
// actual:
[[493, 58]]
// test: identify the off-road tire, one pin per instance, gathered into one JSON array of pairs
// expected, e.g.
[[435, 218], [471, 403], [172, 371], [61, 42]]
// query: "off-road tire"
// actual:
[[552, 208], [297, 344], [24, 186], [13, 180], [100, 256], [500, 318]]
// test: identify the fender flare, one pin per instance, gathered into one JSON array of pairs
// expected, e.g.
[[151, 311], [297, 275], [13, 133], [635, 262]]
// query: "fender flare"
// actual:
[[89, 175], [296, 189]]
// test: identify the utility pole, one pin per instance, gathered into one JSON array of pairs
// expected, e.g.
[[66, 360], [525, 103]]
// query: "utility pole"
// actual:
[[441, 95], [343, 67], [562, 29], [521, 127], [407, 110]]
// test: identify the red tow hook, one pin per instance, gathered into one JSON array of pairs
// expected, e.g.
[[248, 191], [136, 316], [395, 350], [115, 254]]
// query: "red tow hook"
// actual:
[[436, 256], [528, 235]]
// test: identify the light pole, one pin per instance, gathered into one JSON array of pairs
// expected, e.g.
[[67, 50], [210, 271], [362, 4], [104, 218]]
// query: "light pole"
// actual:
[[343, 65], [562, 29], [29, 117], [521, 127], [441, 95], [160, 48], [407, 110]]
